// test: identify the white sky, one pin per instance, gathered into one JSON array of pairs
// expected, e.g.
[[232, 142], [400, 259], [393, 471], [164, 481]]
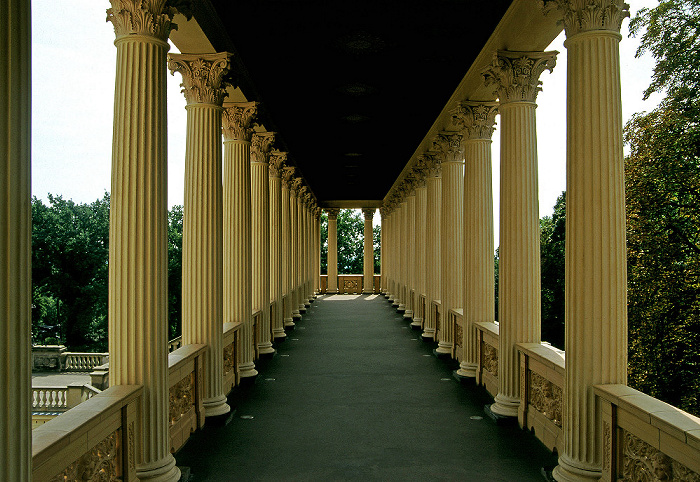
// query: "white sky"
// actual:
[[73, 69]]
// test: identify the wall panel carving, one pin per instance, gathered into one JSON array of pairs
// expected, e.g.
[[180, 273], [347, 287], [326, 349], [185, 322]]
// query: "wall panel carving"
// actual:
[[99, 464], [546, 397], [641, 461], [489, 359], [181, 398]]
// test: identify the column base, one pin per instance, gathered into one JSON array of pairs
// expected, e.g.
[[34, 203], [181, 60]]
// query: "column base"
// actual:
[[417, 323], [429, 334], [498, 418], [395, 303], [466, 370], [266, 350], [302, 308], [569, 470], [401, 308], [279, 335], [247, 370], [216, 406], [408, 314], [442, 355], [444, 348], [296, 316], [464, 379], [505, 406], [163, 470], [289, 324], [307, 303]]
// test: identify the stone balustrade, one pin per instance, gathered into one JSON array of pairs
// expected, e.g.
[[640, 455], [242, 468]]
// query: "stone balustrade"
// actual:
[[96, 442], [82, 362], [186, 385], [542, 392], [487, 356], [56, 358], [232, 354], [49, 398], [257, 318], [174, 344], [645, 438], [351, 284]]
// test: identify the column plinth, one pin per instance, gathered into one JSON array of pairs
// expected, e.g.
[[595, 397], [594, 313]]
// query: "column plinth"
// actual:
[[138, 254], [368, 258], [202, 235], [596, 262], [516, 77], [433, 244], [332, 250], [237, 256]]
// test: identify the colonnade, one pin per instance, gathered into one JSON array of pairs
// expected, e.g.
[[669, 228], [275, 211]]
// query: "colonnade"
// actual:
[[454, 228]]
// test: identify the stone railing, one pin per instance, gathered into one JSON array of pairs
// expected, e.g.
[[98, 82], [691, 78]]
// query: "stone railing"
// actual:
[[56, 358], [186, 382], [645, 438], [323, 285], [421, 311], [59, 399], [377, 283], [83, 362], [456, 318], [487, 358], [174, 344], [350, 284], [542, 392], [232, 354], [106, 448]]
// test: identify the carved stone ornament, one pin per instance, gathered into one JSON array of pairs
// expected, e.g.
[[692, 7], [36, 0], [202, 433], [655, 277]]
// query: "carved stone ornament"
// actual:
[[448, 146], [458, 336], [516, 75], [295, 185], [229, 361], [641, 461], [152, 18], [277, 161], [202, 76], [102, 463], [489, 359], [589, 15], [369, 213], [546, 397], [261, 146], [287, 176], [476, 120], [332, 212], [181, 398], [238, 120]]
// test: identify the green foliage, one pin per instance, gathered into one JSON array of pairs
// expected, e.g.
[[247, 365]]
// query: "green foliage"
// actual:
[[175, 272], [552, 244], [377, 243], [324, 242], [351, 238], [495, 275]]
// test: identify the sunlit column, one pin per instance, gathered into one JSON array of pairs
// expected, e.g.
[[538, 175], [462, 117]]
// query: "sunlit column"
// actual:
[[332, 250], [402, 249], [15, 240], [260, 210], [596, 269], [420, 234], [368, 259], [287, 175], [294, 185], [409, 249], [302, 199], [433, 253], [202, 233], [516, 78], [388, 243], [277, 272], [476, 120], [449, 144], [383, 234], [138, 250], [237, 264], [317, 250], [308, 258]]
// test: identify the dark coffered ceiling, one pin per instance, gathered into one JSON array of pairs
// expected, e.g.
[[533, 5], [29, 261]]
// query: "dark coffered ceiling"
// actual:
[[351, 87]]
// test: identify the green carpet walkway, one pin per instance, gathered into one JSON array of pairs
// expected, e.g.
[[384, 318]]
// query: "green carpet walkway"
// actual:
[[354, 394]]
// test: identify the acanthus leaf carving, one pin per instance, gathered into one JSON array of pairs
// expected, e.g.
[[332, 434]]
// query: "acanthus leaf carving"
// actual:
[[516, 75], [489, 358], [261, 145], [101, 463], [641, 461], [237, 120], [278, 160], [152, 18], [287, 176], [202, 76], [546, 397], [475, 119], [332, 213], [589, 15]]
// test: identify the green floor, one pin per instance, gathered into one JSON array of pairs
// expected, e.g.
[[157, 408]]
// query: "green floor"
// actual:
[[354, 394]]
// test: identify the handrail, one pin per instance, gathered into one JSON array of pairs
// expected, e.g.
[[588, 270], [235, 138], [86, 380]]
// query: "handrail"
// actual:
[[82, 361], [49, 398]]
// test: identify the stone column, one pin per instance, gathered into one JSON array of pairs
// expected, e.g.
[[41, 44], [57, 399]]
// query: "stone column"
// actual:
[[317, 254], [138, 250], [307, 258], [476, 120], [399, 299], [15, 240], [287, 257], [384, 233], [295, 184], [260, 210], [332, 249], [202, 233], [238, 257], [516, 77], [409, 248], [301, 248], [420, 243], [596, 268], [433, 243], [449, 144], [277, 272], [368, 261], [388, 248]]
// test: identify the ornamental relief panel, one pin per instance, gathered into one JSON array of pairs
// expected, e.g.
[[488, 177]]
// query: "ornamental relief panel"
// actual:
[[546, 397], [489, 358], [458, 335], [229, 358], [181, 398], [99, 464], [641, 461]]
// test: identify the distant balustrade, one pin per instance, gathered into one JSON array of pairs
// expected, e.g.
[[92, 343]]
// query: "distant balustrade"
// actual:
[[82, 362], [174, 344], [351, 284]]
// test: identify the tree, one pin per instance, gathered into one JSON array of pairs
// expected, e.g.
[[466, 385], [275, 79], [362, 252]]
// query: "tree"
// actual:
[[175, 272], [552, 244], [324, 242], [377, 246], [351, 240]]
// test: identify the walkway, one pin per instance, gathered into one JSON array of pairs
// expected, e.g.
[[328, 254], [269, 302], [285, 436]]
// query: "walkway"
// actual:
[[354, 394]]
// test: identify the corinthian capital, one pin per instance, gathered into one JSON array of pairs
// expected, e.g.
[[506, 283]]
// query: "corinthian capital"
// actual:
[[261, 145], [287, 176], [202, 76], [587, 15], [151, 18], [238, 120], [332, 212], [369, 213], [448, 145], [516, 75], [475, 119], [277, 161], [296, 186]]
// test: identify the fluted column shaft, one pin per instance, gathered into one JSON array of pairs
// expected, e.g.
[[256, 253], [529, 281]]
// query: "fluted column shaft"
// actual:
[[383, 234], [301, 254], [308, 258], [332, 251], [419, 257], [238, 257], [368, 258], [138, 245], [202, 233], [596, 269], [452, 247], [287, 248], [15, 240], [388, 253], [276, 270], [294, 259], [317, 251], [260, 210], [433, 251], [403, 254], [410, 253]]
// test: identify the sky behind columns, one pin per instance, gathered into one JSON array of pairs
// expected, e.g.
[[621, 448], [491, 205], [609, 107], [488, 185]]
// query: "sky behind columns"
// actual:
[[73, 70]]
